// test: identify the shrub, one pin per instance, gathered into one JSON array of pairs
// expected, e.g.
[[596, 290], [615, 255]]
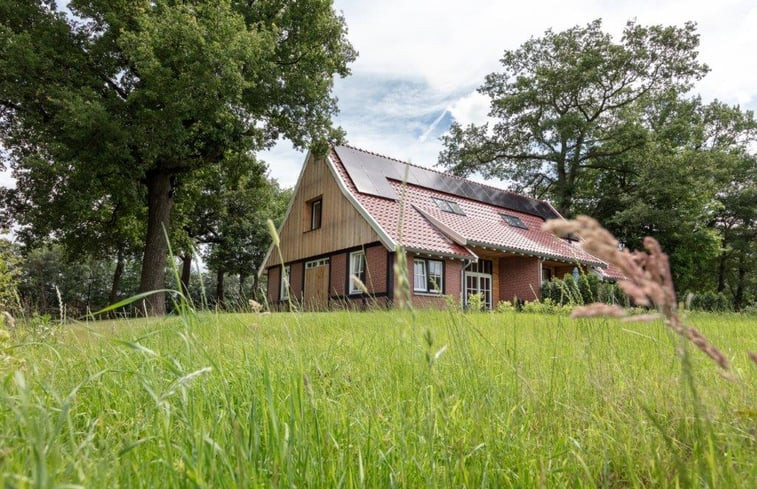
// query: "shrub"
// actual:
[[546, 306], [476, 302], [505, 306], [710, 301]]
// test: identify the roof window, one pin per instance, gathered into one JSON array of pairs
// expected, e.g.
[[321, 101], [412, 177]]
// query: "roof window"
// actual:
[[514, 221], [448, 206]]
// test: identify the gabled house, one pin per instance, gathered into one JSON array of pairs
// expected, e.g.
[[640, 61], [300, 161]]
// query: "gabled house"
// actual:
[[354, 210]]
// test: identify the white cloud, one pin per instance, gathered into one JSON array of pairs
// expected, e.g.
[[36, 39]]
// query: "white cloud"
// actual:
[[471, 109], [419, 59]]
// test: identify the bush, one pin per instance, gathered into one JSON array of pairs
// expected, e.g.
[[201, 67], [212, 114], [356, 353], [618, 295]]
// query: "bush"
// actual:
[[710, 301], [546, 306], [505, 306], [476, 302]]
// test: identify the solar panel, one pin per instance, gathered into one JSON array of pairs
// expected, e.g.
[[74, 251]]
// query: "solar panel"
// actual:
[[369, 173]]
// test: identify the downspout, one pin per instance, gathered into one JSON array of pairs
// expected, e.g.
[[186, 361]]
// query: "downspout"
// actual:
[[466, 264]]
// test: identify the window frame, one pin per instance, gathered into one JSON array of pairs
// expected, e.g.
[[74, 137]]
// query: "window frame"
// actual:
[[428, 280], [313, 204], [449, 206], [286, 271], [514, 221], [353, 288]]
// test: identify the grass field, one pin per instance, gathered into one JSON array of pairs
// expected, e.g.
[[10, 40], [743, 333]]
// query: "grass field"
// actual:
[[381, 399]]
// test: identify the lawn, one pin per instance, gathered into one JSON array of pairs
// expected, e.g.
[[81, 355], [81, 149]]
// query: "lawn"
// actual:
[[380, 399]]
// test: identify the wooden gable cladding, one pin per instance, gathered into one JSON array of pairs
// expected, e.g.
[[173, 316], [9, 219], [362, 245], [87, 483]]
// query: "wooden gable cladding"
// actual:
[[341, 225]]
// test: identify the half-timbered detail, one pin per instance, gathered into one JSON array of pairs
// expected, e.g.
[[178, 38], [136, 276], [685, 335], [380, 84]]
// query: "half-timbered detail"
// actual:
[[353, 211]]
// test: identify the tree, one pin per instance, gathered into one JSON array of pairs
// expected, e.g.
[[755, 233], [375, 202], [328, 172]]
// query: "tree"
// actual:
[[242, 235], [569, 102], [141, 93], [10, 264]]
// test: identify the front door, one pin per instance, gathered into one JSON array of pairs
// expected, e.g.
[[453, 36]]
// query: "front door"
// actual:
[[479, 283], [316, 293]]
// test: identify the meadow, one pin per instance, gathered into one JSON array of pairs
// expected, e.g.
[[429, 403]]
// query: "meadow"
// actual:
[[377, 399]]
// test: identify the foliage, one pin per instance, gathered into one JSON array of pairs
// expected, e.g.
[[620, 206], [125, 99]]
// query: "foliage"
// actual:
[[565, 103], [547, 306], [505, 306], [120, 100], [51, 284], [588, 289], [476, 302], [10, 268], [608, 129], [710, 301]]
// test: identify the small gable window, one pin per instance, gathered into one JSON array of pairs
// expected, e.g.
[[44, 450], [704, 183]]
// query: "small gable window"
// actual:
[[315, 214], [448, 206], [513, 221], [428, 276]]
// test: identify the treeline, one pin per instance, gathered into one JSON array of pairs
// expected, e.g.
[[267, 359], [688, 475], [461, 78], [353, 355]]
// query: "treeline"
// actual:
[[129, 126], [611, 129]]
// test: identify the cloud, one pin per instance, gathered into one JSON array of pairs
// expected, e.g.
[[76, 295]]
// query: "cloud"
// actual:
[[471, 109]]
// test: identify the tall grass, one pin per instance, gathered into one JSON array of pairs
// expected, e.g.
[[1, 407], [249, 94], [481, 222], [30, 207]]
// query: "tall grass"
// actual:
[[380, 399]]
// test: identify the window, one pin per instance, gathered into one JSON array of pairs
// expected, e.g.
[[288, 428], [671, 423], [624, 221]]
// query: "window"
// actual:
[[284, 290], [428, 276], [514, 221], [357, 269], [481, 266], [448, 206], [315, 214], [546, 274]]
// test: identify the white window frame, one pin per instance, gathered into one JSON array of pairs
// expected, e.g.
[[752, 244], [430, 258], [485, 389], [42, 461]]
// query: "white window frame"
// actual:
[[284, 285], [425, 286], [420, 285], [356, 271]]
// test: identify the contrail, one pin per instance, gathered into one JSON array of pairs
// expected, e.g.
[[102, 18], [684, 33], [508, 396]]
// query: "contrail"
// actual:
[[433, 125]]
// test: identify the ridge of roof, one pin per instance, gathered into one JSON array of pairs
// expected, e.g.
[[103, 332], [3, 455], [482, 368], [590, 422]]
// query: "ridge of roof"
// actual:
[[442, 173]]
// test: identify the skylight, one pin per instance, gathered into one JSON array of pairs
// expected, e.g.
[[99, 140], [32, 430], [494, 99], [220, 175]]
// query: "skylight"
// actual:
[[514, 221], [448, 206]]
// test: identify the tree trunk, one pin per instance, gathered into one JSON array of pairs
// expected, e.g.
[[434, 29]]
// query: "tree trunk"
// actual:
[[116, 285], [219, 288], [721, 271], [186, 272], [255, 286], [242, 278], [159, 203], [738, 297]]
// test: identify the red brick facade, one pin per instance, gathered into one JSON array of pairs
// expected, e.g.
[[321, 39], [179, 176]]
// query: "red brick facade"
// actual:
[[519, 277], [451, 279], [338, 272], [375, 269]]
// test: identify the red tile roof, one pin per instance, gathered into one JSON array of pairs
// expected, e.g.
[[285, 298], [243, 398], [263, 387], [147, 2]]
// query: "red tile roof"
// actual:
[[426, 228]]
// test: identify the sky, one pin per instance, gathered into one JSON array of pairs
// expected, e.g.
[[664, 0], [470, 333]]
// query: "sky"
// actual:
[[420, 62]]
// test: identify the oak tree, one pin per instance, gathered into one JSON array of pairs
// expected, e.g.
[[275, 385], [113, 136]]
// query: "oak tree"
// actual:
[[565, 103], [136, 94]]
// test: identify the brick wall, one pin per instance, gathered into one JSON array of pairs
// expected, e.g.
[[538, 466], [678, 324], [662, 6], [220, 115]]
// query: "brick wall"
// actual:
[[375, 269], [338, 273], [519, 277], [452, 270]]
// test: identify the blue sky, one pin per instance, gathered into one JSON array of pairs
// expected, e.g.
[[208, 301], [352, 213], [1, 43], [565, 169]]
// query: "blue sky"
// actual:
[[421, 61]]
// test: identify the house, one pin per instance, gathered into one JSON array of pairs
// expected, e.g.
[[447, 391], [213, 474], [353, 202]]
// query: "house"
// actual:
[[354, 211]]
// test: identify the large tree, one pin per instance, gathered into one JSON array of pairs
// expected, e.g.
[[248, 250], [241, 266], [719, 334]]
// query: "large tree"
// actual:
[[137, 94], [566, 103]]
